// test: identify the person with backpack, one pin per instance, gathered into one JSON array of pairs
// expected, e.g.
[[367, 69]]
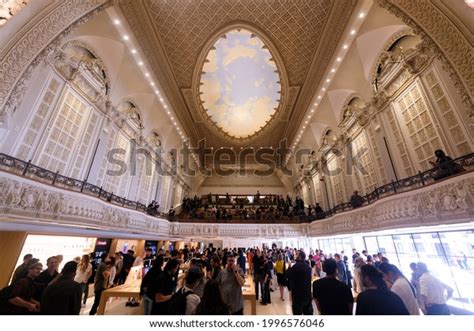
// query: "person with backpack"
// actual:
[[185, 301], [17, 299], [211, 301], [164, 288]]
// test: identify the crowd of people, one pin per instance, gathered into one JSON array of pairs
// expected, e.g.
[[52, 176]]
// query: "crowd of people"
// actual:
[[263, 208], [209, 282]]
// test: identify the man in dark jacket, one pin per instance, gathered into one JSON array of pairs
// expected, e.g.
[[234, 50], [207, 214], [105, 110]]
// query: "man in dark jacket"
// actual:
[[356, 200], [299, 277], [21, 301], [63, 297]]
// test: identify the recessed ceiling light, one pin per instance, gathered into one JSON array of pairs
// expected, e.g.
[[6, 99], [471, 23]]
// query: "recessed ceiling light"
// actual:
[[166, 106], [161, 99], [134, 51], [361, 15], [172, 118], [333, 70], [338, 59], [147, 74], [353, 32], [324, 89], [140, 63], [168, 112], [157, 92], [116, 22], [152, 84], [319, 97], [345, 46], [309, 116], [328, 80], [125, 37], [306, 123], [312, 110]]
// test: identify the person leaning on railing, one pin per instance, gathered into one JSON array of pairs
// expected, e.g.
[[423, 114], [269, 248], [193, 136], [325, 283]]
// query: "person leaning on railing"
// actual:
[[445, 165]]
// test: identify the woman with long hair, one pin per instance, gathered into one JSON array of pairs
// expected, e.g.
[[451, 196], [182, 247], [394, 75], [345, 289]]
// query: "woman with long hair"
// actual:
[[211, 301], [377, 299], [83, 272], [401, 286]]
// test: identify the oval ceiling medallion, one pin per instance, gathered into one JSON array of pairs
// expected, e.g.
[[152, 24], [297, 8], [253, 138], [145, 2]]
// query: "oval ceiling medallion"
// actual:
[[240, 85]]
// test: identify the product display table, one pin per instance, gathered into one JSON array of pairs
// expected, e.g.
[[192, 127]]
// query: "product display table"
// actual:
[[130, 290], [248, 291]]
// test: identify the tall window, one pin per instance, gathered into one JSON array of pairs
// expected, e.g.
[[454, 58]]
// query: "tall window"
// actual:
[[416, 118], [63, 134]]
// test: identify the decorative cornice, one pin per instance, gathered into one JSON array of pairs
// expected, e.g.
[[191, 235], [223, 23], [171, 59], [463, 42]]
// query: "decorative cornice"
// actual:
[[443, 37], [447, 202], [38, 43]]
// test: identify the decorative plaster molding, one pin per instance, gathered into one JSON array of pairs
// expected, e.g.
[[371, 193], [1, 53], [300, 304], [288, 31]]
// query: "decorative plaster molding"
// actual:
[[27, 200], [37, 44], [450, 201], [21, 199], [441, 36]]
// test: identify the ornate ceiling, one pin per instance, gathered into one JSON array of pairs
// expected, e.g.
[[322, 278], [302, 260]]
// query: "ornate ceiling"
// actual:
[[301, 34]]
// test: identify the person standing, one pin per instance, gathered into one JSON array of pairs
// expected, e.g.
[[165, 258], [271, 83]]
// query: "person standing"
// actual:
[[63, 297], [377, 299], [341, 268], [211, 301], [299, 277], [100, 282], [231, 279], [164, 288], [22, 269], [146, 287], [433, 292], [401, 286], [267, 278], [215, 266], [83, 272], [46, 276], [332, 297], [257, 272], [280, 270], [241, 261], [21, 301]]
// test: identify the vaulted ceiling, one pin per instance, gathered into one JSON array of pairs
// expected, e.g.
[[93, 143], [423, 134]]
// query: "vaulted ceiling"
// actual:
[[177, 35]]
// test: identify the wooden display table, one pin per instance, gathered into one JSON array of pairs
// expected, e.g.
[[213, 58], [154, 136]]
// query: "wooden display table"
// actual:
[[131, 290], [248, 292]]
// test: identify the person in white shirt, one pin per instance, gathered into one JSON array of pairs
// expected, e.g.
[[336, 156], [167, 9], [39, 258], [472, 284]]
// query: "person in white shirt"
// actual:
[[401, 287], [193, 276], [433, 292], [83, 272]]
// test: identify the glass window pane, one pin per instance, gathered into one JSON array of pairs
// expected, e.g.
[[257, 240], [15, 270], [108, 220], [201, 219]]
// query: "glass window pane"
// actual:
[[371, 245], [406, 253], [459, 248]]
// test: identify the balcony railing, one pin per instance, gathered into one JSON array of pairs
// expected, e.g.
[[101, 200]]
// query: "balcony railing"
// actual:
[[28, 170]]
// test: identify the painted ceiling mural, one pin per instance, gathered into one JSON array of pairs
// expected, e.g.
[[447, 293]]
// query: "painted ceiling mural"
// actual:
[[240, 85]]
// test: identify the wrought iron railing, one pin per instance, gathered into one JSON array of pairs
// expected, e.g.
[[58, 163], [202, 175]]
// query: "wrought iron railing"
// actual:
[[27, 169], [459, 165]]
